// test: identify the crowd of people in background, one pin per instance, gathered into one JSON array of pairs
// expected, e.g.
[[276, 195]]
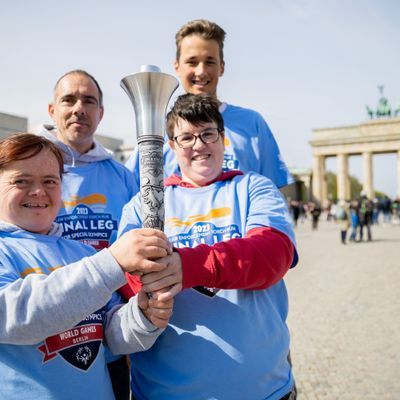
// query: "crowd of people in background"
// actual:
[[302, 211], [354, 217]]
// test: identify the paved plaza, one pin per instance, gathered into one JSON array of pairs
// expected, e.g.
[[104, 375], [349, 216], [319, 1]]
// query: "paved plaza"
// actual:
[[344, 315]]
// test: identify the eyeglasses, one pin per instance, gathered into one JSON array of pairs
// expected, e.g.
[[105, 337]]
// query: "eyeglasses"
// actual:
[[187, 140]]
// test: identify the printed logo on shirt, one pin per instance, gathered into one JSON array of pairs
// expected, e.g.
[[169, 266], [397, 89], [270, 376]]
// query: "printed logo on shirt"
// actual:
[[230, 162], [94, 199], [213, 214], [87, 221], [205, 233], [78, 346]]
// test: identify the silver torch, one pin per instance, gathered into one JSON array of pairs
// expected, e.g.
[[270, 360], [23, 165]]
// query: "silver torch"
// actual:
[[150, 91]]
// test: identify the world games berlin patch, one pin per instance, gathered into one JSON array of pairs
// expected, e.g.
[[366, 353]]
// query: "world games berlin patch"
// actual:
[[78, 346]]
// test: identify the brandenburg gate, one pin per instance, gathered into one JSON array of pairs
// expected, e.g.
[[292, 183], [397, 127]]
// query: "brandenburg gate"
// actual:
[[376, 136]]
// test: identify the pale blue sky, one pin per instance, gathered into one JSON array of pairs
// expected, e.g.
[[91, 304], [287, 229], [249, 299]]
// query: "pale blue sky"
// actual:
[[302, 64]]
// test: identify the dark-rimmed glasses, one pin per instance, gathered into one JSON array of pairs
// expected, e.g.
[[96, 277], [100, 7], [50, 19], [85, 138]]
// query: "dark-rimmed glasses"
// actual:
[[187, 140]]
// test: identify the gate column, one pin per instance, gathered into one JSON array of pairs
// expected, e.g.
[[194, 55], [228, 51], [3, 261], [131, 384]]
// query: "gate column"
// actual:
[[319, 189], [368, 184], [343, 182]]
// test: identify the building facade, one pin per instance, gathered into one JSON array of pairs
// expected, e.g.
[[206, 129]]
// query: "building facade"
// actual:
[[12, 123]]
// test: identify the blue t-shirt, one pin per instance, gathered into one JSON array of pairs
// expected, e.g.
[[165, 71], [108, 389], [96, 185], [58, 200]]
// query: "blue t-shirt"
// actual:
[[235, 344]]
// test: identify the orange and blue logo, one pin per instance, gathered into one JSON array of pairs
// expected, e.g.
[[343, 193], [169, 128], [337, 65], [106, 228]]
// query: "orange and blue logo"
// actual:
[[85, 220], [213, 214], [202, 230]]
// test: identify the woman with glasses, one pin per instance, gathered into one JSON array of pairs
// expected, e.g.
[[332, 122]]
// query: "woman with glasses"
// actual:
[[233, 241]]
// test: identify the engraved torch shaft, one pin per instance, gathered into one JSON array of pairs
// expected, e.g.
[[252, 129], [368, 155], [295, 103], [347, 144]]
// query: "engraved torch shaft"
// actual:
[[150, 91], [151, 182]]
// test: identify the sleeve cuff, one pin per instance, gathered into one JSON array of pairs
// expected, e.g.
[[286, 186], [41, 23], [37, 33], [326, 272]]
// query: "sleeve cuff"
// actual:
[[141, 319], [195, 267]]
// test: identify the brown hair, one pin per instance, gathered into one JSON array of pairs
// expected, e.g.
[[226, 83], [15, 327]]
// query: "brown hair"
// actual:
[[195, 109], [21, 146], [207, 30], [84, 73]]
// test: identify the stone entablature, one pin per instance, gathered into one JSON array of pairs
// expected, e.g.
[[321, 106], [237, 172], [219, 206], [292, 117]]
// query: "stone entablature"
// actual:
[[385, 134], [373, 137]]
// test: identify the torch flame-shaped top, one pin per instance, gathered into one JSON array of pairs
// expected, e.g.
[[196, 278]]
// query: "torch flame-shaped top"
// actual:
[[150, 91]]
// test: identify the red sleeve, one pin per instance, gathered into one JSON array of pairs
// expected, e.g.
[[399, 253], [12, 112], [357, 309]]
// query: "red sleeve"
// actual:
[[256, 261], [131, 288]]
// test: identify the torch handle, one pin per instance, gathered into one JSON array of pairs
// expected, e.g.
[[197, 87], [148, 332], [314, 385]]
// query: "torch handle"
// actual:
[[152, 181]]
